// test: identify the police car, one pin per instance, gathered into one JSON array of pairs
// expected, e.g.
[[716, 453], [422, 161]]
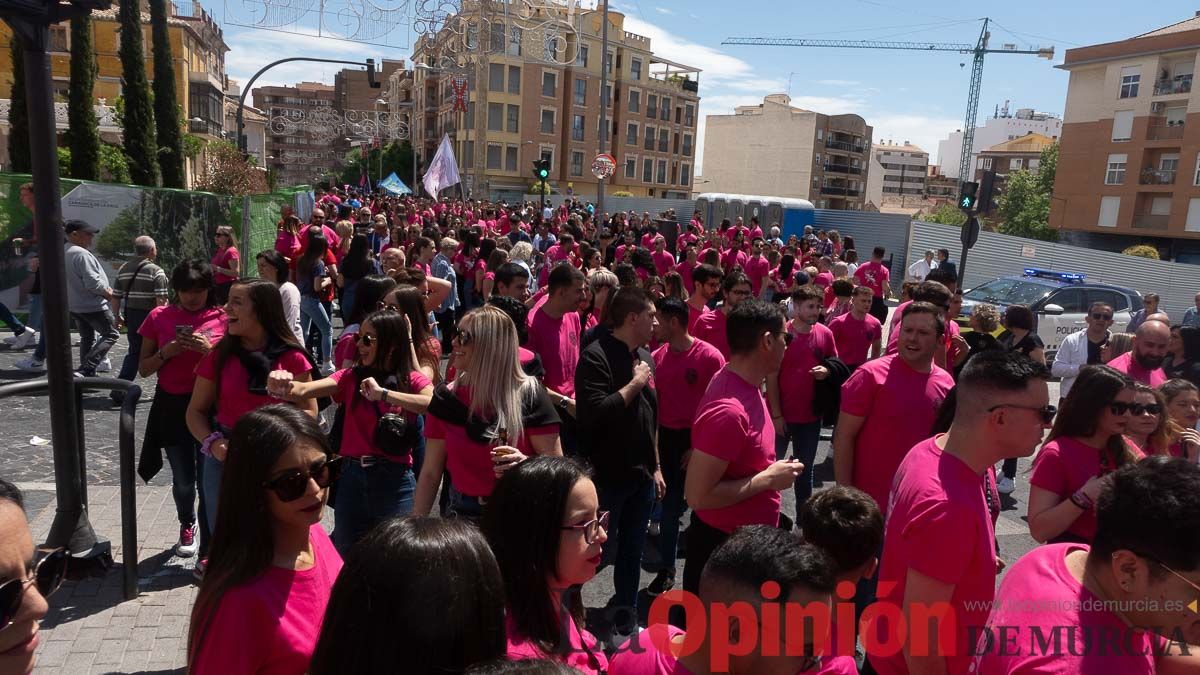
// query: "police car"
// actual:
[[1059, 301]]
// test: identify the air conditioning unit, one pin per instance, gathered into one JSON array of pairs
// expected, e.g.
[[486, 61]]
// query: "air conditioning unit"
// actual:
[[1158, 107]]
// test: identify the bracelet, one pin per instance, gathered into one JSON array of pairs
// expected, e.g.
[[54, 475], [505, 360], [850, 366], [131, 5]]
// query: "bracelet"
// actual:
[[1079, 498], [383, 395], [206, 444]]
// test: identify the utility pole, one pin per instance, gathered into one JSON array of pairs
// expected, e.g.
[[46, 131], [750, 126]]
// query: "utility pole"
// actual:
[[603, 104]]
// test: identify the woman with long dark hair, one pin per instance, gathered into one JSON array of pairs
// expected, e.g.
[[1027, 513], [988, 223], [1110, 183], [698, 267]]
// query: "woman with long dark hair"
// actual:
[[410, 301], [357, 264], [1086, 444], [313, 278], [497, 258], [466, 262], [370, 293], [1150, 427], [273, 267], [225, 263], [272, 567], [421, 596], [382, 395], [1182, 408], [287, 240], [174, 339], [546, 528]]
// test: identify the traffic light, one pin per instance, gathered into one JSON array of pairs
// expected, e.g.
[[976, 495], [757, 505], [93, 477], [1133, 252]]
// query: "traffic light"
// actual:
[[986, 189], [968, 195], [541, 169]]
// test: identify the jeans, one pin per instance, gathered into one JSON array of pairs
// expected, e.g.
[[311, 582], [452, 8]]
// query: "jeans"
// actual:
[[702, 540], [133, 321], [10, 320], [628, 503], [445, 322], [35, 312], [804, 438], [91, 325], [185, 469], [463, 506], [367, 496], [312, 311], [672, 444], [210, 486]]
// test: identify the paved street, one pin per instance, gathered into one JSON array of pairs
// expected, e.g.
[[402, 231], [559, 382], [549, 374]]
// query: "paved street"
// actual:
[[90, 629]]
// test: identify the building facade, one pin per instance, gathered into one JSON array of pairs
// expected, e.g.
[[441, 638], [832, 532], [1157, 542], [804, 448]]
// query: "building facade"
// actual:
[[298, 150], [1009, 156], [532, 95], [1002, 126], [897, 173], [1130, 144], [940, 187], [361, 104], [778, 150]]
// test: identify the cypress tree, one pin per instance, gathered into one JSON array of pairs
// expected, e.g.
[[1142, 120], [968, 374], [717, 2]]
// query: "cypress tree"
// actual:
[[83, 135], [18, 114], [166, 107], [140, 147]]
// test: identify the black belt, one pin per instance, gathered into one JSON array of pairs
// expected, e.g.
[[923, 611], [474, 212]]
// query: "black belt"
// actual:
[[368, 461]]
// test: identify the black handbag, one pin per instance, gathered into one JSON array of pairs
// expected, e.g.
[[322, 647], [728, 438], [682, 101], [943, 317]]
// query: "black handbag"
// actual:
[[393, 434]]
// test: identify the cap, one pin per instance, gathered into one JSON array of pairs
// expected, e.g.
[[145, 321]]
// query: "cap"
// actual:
[[80, 226]]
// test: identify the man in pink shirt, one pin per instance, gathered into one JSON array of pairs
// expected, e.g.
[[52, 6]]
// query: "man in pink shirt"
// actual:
[[939, 544], [733, 477], [857, 332], [708, 283], [1144, 362], [687, 266], [554, 335], [711, 327], [875, 275], [757, 267], [663, 260]]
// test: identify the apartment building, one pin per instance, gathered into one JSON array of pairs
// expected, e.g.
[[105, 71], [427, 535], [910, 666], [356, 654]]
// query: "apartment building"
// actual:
[[1005, 158], [897, 173], [1002, 126], [299, 153], [537, 96], [360, 103], [1128, 163], [940, 187], [775, 149]]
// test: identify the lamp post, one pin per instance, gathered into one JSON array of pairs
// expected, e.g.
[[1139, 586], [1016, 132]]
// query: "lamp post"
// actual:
[[603, 102]]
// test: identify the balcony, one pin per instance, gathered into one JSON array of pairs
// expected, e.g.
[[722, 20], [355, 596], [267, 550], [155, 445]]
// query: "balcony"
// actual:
[[202, 126], [1148, 221], [838, 191], [1164, 131], [1179, 85], [842, 145], [1157, 177], [844, 168]]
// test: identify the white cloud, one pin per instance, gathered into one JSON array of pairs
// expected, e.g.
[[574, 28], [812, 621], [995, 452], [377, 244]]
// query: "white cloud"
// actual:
[[663, 10], [251, 49], [836, 83]]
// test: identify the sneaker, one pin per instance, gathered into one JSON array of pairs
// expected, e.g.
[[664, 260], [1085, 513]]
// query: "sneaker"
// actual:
[[31, 365], [104, 366], [198, 570], [663, 582], [29, 337], [187, 545], [1006, 485], [327, 368]]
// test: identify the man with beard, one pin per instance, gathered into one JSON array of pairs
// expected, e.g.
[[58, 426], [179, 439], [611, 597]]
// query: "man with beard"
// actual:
[[1144, 362]]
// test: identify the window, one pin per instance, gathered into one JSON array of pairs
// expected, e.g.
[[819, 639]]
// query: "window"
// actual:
[[1118, 301], [608, 62], [514, 79], [510, 158], [581, 55], [608, 96], [651, 106], [685, 175], [635, 69], [687, 145], [1070, 299], [1109, 206], [647, 170], [689, 118], [577, 127], [580, 92], [495, 77], [675, 143], [1033, 164], [817, 159], [495, 117], [553, 46], [497, 37], [58, 38], [1015, 163], [547, 126], [547, 153], [1196, 175], [665, 109], [1122, 125], [1116, 170], [1130, 77], [514, 119], [549, 84], [631, 167], [1192, 224], [632, 134], [576, 163], [514, 41], [821, 134], [663, 140], [635, 100], [662, 171], [674, 173], [470, 115], [493, 156], [649, 137]]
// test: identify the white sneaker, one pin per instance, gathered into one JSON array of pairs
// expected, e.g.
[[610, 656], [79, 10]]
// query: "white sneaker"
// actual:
[[327, 368], [29, 337], [31, 365], [188, 544], [104, 366], [1005, 485]]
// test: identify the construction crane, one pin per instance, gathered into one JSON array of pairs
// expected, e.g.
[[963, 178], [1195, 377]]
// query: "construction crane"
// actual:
[[978, 51]]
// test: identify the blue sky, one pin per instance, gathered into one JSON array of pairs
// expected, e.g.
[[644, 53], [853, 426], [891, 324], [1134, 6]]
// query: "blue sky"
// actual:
[[914, 96]]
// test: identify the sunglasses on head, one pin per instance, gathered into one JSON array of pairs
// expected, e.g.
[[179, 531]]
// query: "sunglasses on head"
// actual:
[[292, 485], [1120, 408], [48, 575], [1098, 316]]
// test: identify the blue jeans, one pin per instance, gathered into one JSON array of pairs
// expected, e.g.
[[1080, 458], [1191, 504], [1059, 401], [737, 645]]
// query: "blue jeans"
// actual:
[[462, 506], [133, 321], [91, 325], [672, 443], [35, 312], [804, 438], [367, 496], [10, 320], [185, 469], [312, 311], [210, 485], [629, 503]]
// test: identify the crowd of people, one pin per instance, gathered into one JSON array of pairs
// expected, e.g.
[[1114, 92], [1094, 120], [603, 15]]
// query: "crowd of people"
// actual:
[[520, 396]]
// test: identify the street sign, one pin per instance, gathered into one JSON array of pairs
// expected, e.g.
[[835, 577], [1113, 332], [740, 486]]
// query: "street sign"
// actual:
[[1028, 251], [604, 166], [970, 232]]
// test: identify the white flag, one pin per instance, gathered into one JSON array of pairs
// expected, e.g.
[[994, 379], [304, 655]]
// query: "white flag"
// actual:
[[443, 170]]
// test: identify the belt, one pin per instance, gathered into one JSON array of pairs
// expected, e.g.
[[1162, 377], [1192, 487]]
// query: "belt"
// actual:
[[368, 461]]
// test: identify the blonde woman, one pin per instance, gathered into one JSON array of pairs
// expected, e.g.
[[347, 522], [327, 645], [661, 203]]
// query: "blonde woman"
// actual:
[[489, 418], [345, 233], [522, 254]]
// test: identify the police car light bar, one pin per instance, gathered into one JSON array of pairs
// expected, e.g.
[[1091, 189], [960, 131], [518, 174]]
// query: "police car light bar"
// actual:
[[1068, 277]]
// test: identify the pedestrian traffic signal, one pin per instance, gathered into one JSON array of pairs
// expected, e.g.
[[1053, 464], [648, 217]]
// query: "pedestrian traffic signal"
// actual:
[[986, 189], [968, 195], [541, 169]]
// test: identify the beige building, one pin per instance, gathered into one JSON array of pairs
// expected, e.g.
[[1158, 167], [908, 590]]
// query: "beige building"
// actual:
[[778, 150], [1127, 168], [897, 174], [537, 95]]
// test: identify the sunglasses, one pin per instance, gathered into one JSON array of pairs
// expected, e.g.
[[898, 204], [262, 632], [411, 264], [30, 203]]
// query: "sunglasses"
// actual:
[[365, 340], [591, 529], [1102, 317], [48, 575], [293, 484], [1120, 408], [464, 337], [1047, 413]]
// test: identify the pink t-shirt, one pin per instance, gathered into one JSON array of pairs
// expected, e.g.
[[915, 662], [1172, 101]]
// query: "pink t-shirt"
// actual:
[[784, 284], [663, 262], [694, 316], [686, 375], [557, 342], [520, 648], [899, 405], [1126, 364], [733, 424], [235, 398], [358, 431], [938, 524], [270, 625], [711, 329], [854, 338], [227, 259], [1062, 466], [873, 275], [685, 270], [649, 653], [1040, 602], [346, 348], [733, 258], [805, 351], [178, 374], [288, 245], [757, 268]]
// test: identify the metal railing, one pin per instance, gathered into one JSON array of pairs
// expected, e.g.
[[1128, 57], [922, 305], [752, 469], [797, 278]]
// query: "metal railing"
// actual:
[[1178, 85], [1150, 221], [126, 441], [1165, 132], [843, 168], [842, 145], [838, 191], [1161, 177]]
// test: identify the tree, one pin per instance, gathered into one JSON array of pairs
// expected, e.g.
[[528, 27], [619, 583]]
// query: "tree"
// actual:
[[18, 114], [1025, 205], [166, 108], [946, 214], [138, 124], [83, 131], [114, 168], [227, 172]]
